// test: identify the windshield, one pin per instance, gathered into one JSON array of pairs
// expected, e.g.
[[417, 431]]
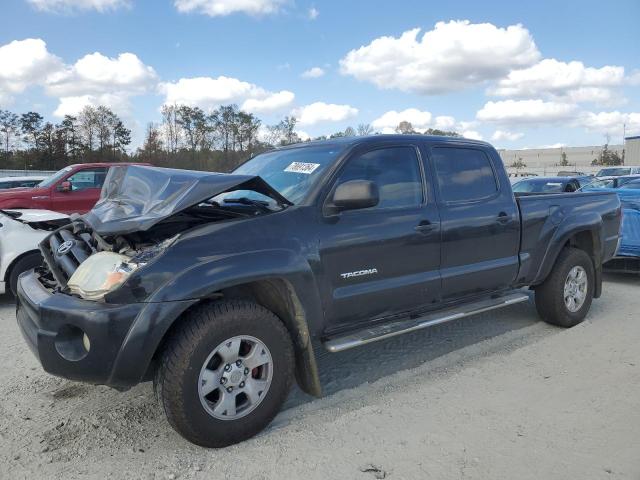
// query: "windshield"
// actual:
[[613, 172], [291, 172], [47, 182], [604, 183], [537, 186]]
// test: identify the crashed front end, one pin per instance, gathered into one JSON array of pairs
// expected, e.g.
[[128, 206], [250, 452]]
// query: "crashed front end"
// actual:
[[76, 311]]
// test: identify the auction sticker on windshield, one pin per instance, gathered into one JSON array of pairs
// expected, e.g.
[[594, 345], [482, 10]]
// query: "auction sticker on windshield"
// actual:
[[302, 167]]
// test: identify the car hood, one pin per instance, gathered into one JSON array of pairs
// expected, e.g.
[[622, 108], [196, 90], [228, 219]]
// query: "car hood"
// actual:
[[135, 198], [34, 215]]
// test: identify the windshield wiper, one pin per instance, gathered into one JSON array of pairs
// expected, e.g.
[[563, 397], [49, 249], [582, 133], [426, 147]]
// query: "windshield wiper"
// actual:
[[249, 201]]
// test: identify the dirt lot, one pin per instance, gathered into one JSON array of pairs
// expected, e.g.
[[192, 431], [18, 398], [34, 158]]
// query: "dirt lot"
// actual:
[[498, 396]]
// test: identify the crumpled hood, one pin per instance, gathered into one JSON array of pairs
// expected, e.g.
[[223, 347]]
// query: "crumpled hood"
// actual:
[[134, 198]]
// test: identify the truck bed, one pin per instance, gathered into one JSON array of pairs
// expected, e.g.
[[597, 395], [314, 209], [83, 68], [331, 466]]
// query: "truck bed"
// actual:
[[547, 219]]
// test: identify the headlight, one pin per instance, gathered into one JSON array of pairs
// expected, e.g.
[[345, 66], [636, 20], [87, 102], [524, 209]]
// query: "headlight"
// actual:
[[100, 274]]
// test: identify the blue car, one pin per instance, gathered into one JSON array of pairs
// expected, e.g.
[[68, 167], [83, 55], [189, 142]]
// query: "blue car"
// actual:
[[628, 255]]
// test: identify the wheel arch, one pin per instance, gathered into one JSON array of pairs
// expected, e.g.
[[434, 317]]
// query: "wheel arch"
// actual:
[[586, 239], [279, 296]]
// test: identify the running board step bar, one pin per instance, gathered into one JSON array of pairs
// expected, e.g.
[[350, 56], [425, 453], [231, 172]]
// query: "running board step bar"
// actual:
[[380, 332]]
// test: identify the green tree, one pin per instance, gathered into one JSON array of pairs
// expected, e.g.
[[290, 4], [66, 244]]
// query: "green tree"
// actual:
[[31, 125], [9, 129]]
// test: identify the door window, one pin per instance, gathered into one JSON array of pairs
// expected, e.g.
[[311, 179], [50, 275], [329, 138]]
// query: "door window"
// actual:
[[394, 170], [464, 174], [89, 178]]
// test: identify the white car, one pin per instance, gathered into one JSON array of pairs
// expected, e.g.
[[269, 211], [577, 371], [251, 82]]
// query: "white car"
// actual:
[[20, 182], [20, 233]]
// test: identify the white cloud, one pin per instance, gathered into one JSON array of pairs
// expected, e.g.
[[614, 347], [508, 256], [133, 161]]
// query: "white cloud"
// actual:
[[613, 123], [270, 103], [450, 57], [421, 120], [323, 112], [65, 6], [208, 92], [96, 73], [314, 72], [24, 63], [73, 105], [472, 134], [220, 8], [506, 135], [387, 123], [571, 81], [525, 111], [304, 136], [313, 13]]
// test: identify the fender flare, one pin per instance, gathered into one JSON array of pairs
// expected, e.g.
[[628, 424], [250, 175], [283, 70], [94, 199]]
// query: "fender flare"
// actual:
[[570, 227], [204, 281]]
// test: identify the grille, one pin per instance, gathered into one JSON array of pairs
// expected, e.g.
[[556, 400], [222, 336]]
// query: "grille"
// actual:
[[63, 251]]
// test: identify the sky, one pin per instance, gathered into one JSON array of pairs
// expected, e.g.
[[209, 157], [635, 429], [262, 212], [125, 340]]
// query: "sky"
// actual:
[[516, 74]]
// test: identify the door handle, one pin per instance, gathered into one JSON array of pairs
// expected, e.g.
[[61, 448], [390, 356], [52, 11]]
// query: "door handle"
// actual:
[[503, 218], [425, 226]]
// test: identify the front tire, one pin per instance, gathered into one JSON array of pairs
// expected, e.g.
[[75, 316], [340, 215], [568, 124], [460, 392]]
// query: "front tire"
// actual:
[[564, 298], [225, 372], [27, 262]]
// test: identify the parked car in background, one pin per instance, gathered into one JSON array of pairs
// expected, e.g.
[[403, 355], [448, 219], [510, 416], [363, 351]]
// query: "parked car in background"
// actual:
[[627, 258], [220, 286], [20, 182], [567, 173], [610, 182], [74, 189], [20, 233], [618, 171], [546, 185], [522, 174]]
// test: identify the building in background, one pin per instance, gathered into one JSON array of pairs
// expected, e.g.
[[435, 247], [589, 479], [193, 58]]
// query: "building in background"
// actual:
[[548, 161], [632, 150]]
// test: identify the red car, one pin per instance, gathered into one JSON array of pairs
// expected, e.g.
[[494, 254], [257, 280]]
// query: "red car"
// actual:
[[74, 189]]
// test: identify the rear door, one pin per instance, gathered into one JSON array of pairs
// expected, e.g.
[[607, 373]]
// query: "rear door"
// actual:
[[86, 185], [480, 220], [382, 260]]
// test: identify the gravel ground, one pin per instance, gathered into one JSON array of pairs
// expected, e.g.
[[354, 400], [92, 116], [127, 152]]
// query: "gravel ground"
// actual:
[[497, 396]]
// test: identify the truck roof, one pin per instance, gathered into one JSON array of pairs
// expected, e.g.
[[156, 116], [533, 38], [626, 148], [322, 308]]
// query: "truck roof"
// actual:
[[374, 139]]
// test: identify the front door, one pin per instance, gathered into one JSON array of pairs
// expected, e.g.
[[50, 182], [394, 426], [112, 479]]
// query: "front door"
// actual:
[[85, 190], [383, 260]]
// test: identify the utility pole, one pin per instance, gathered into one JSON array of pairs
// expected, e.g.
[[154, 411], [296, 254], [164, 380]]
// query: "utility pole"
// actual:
[[624, 134]]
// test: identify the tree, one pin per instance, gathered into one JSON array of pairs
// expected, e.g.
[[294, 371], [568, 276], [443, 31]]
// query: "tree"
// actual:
[[284, 132], [518, 164], [365, 129], [30, 125], [68, 131], [608, 157], [442, 133], [9, 129], [152, 148], [564, 162], [349, 132], [171, 127], [121, 137], [88, 126], [405, 127]]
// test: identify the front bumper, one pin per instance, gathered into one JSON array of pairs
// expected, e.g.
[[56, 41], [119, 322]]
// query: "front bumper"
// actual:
[[54, 326]]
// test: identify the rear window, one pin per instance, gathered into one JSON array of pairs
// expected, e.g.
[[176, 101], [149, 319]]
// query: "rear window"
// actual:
[[464, 174]]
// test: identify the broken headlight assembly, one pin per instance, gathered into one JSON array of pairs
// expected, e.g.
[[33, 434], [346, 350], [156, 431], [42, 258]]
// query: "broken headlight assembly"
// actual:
[[100, 274], [104, 272]]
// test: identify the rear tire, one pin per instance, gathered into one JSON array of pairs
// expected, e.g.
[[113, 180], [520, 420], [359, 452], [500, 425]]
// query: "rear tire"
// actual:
[[27, 262], [564, 298], [195, 359]]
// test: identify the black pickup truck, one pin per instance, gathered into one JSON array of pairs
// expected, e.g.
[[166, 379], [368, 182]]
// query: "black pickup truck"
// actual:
[[217, 286]]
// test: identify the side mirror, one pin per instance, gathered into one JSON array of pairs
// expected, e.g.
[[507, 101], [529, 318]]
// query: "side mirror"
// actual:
[[64, 186], [356, 194]]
